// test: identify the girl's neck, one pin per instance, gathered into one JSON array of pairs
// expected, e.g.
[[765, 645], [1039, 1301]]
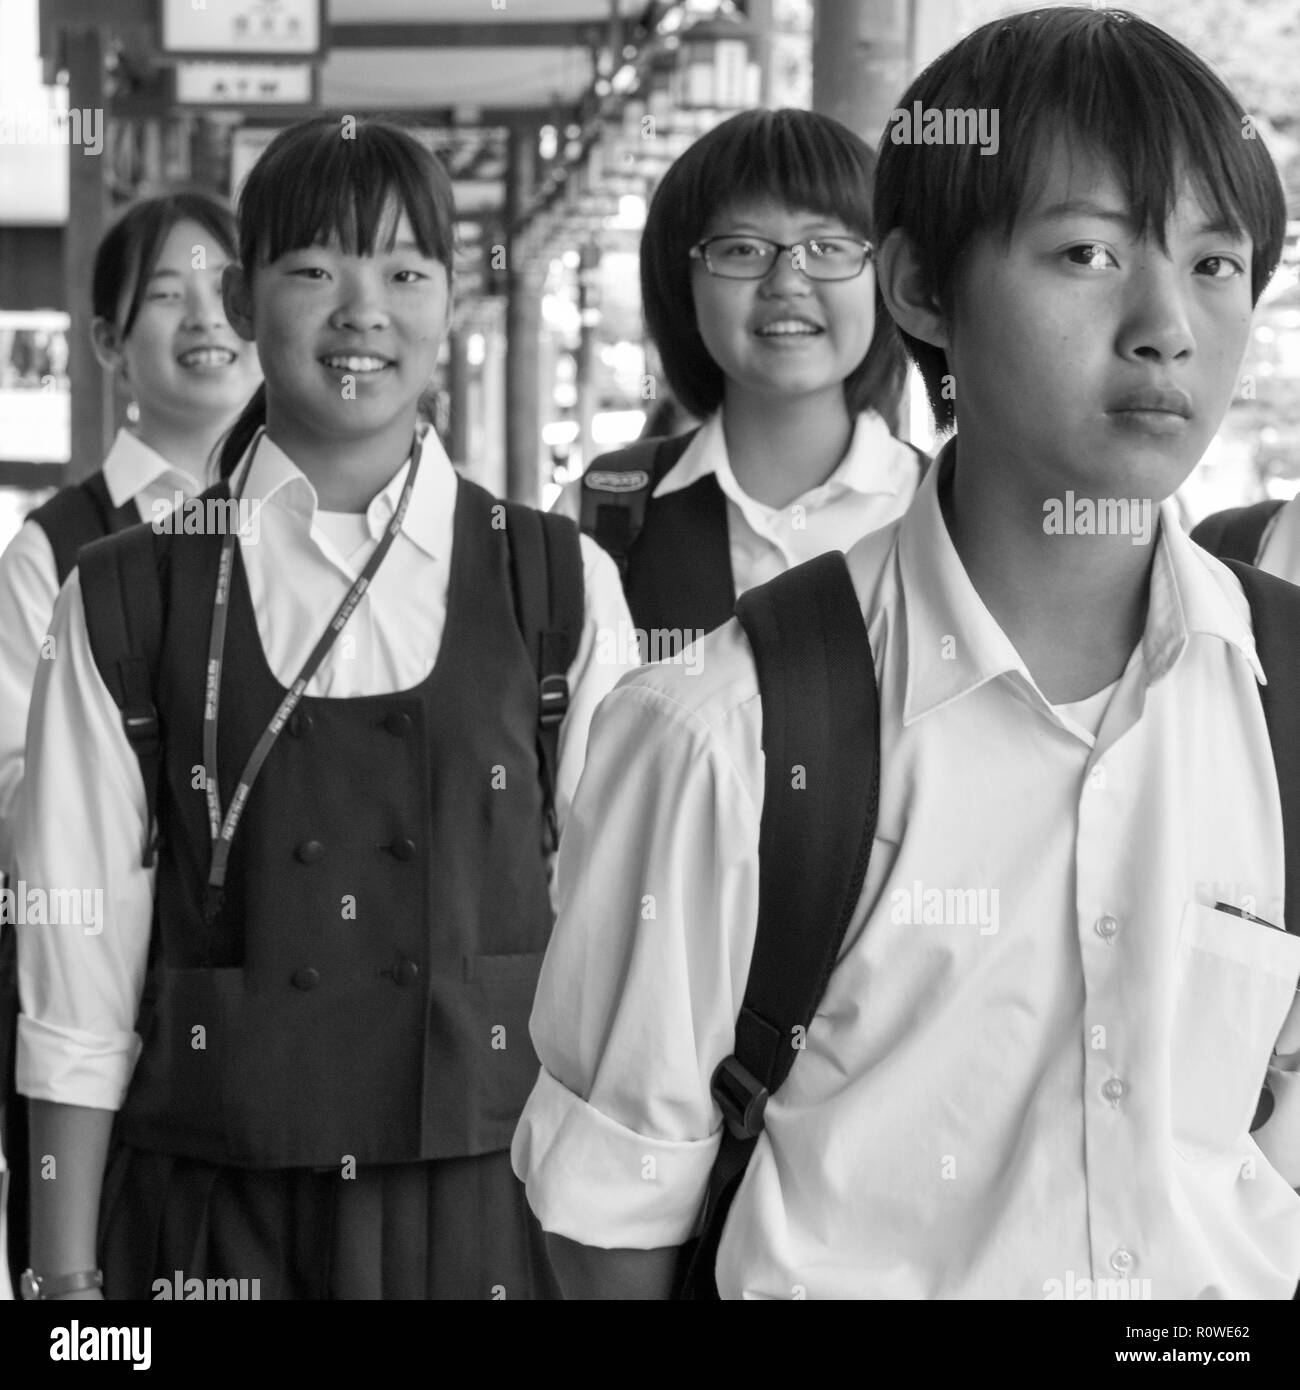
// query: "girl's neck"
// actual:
[[346, 473], [779, 448], [187, 446]]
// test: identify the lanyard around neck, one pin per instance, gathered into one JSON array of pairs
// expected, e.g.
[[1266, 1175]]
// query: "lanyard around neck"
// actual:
[[222, 829]]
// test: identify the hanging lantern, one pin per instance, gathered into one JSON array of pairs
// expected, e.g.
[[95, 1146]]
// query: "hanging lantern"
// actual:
[[714, 65]]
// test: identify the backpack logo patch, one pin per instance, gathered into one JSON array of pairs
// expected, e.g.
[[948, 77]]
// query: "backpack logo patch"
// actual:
[[616, 480]]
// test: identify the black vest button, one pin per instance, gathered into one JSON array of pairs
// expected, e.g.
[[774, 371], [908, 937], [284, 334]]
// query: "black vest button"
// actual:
[[406, 972], [403, 849], [398, 723], [309, 851], [300, 723], [306, 977]]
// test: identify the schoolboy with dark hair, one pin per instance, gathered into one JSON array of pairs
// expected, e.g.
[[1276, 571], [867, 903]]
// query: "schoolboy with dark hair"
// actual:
[[1037, 1063]]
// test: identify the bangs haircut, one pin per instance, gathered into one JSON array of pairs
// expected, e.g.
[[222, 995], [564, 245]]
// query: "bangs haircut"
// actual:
[[337, 178], [128, 253], [1110, 85], [806, 161]]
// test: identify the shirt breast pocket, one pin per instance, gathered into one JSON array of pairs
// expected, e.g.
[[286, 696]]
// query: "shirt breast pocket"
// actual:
[[1234, 983]]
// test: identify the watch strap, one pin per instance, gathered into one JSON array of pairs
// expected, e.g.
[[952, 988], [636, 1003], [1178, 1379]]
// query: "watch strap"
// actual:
[[36, 1286]]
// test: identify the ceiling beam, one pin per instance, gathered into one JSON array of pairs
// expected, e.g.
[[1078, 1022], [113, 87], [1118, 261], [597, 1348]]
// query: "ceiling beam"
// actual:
[[501, 33]]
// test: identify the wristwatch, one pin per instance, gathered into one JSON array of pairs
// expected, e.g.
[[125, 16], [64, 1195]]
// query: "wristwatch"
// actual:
[[40, 1287]]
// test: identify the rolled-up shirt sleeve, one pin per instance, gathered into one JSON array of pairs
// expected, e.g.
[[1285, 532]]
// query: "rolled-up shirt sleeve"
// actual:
[[78, 850], [638, 996]]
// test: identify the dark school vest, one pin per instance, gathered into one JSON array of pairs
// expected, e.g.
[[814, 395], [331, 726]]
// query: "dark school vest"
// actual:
[[79, 514], [364, 993]]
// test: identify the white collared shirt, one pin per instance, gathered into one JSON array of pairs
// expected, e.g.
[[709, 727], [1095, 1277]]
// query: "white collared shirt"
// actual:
[[83, 807], [1043, 1076], [29, 585], [872, 484]]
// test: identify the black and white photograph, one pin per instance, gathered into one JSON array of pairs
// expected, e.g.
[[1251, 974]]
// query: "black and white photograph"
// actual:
[[649, 652]]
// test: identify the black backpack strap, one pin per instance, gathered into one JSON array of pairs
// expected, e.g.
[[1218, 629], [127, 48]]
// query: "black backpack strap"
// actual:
[[616, 491], [79, 514], [122, 593], [1275, 616], [1236, 533], [547, 582], [821, 745]]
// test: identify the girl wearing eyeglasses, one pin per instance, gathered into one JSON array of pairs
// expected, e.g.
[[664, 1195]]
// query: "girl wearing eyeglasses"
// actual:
[[760, 296]]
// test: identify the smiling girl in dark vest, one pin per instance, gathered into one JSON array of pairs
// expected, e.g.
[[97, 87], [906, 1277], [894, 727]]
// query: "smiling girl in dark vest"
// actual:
[[332, 975]]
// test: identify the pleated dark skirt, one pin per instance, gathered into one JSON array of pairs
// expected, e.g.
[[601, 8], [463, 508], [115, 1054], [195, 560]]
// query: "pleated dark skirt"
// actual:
[[451, 1228]]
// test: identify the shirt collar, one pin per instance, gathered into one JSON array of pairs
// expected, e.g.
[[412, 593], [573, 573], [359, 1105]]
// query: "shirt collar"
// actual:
[[875, 462], [954, 644], [271, 478], [131, 466]]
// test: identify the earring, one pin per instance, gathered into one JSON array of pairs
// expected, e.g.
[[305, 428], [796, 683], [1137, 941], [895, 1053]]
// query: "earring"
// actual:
[[132, 413]]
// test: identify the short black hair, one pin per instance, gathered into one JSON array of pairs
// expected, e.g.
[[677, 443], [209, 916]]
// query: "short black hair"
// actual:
[[800, 158], [128, 253], [1108, 82], [336, 177]]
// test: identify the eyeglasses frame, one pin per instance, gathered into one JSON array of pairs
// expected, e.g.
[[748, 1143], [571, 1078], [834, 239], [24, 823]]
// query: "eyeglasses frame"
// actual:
[[700, 252]]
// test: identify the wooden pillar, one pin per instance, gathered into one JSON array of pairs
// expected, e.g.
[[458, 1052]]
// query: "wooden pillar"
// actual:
[[523, 328], [92, 395], [861, 61]]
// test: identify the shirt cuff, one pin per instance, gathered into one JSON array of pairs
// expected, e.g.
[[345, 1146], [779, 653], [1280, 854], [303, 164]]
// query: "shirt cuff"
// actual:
[[1279, 1137], [598, 1183], [73, 1068]]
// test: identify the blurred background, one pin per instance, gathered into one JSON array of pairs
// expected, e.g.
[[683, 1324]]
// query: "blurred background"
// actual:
[[556, 118]]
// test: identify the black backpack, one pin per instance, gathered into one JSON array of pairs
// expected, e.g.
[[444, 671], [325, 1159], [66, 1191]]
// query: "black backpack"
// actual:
[[616, 490], [817, 684], [79, 514], [124, 619], [1236, 533]]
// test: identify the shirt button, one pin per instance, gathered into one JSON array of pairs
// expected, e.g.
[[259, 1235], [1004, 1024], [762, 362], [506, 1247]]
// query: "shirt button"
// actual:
[[403, 849], [1106, 927], [309, 851], [406, 972], [1097, 778], [1113, 1089], [300, 723], [1121, 1261], [398, 723], [306, 977]]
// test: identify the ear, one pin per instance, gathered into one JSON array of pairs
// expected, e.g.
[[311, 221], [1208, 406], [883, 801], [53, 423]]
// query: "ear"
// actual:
[[907, 292], [237, 297], [107, 343]]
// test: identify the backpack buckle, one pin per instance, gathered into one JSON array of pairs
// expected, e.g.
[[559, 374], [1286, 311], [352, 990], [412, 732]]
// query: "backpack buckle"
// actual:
[[741, 1097], [554, 693], [141, 725]]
